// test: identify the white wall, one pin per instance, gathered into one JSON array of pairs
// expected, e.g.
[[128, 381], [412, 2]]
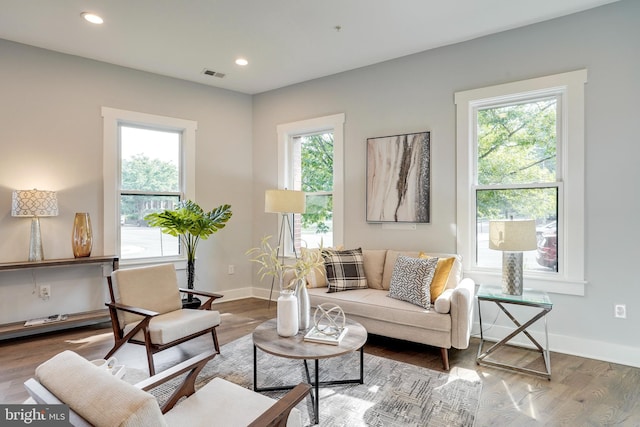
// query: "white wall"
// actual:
[[416, 93], [51, 138]]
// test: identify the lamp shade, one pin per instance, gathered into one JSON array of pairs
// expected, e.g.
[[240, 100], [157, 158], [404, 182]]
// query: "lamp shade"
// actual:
[[284, 201], [34, 203], [512, 236]]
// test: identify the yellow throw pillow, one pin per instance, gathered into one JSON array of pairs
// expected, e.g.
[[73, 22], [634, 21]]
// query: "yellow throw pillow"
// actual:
[[441, 276]]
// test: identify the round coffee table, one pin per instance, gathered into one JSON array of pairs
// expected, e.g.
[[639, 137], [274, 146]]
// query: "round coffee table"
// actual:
[[266, 338]]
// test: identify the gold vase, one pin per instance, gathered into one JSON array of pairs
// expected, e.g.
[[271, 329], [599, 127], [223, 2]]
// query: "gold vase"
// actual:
[[82, 238]]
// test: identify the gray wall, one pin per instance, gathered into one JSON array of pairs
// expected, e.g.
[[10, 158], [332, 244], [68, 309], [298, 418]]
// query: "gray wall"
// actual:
[[415, 93], [51, 138]]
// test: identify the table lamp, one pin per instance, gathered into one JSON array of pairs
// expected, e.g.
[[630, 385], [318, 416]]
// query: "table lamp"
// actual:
[[512, 237], [35, 204]]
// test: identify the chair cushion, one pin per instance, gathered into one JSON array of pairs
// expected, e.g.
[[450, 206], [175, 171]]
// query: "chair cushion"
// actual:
[[153, 288], [177, 324], [222, 403], [96, 395]]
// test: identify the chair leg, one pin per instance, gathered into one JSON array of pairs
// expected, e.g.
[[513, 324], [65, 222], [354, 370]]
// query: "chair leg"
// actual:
[[147, 345], [445, 358], [215, 340], [116, 347]]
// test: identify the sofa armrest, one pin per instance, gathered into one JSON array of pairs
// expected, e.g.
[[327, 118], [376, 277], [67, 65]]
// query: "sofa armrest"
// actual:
[[462, 313]]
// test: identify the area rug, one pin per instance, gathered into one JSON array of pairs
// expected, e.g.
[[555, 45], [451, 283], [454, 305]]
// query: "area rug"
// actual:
[[393, 393]]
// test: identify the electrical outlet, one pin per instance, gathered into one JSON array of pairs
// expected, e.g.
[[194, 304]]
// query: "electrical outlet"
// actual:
[[232, 269], [45, 291], [620, 311]]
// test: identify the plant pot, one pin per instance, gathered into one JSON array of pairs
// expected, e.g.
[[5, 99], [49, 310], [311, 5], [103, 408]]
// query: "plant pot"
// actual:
[[194, 303]]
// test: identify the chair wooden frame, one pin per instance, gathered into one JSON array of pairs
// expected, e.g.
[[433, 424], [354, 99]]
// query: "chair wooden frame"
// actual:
[[120, 338], [274, 416]]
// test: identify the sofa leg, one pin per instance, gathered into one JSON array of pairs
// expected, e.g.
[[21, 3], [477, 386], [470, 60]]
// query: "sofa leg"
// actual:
[[445, 358]]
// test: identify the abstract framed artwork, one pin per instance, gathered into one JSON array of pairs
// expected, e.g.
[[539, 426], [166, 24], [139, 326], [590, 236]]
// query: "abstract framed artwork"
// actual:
[[398, 178]]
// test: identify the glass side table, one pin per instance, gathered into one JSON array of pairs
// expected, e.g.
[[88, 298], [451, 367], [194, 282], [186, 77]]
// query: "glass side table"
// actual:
[[529, 298]]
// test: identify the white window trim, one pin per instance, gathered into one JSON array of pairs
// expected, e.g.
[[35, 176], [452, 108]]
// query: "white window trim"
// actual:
[[112, 118], [570, 278], [333, 123]]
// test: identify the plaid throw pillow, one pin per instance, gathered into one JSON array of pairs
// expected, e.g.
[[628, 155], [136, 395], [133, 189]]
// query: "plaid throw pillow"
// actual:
[[345, 270], [411, 280]]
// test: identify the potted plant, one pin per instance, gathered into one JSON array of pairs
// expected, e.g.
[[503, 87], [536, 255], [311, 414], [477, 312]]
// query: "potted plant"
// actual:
[[271, 264], [190, 223]]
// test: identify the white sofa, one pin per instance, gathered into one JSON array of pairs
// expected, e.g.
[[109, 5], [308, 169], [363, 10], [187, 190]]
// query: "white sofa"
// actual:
[[446, 324]]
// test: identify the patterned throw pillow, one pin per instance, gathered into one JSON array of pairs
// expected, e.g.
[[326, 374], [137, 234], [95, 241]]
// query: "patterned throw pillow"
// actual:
[[411, 280], [345, 270]]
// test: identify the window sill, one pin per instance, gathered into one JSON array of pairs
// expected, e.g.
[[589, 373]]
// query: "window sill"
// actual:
[[180, 263], [555, 285]]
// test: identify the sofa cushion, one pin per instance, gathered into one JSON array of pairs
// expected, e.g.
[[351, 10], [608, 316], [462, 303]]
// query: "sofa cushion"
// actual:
[[411, 280], [96, 395], [441, 276], [345, 270], [318, 276], [390, 262], [373, 266], [375, 304]]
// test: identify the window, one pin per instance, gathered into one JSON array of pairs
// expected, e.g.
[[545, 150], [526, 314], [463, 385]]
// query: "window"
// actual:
[[310, 159], [521, 155], [148, 167]]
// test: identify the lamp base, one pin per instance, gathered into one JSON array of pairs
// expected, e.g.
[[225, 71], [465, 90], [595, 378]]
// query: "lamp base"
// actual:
[[35, 244], [512, 273]]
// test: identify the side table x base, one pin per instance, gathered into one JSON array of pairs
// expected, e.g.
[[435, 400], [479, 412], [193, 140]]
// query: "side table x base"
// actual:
[[481, 359]]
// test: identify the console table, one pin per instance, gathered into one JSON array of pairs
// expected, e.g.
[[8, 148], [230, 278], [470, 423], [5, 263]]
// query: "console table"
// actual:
[[17, 329], [529, 298]]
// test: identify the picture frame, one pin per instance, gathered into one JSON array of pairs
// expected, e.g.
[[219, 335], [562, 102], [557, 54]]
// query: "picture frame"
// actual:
[[398, 178]]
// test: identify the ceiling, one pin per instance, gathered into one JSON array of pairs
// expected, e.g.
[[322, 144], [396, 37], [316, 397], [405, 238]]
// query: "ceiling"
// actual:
[[285, 41]]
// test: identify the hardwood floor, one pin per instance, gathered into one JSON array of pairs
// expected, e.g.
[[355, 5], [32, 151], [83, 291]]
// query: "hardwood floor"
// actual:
[[582, 392]]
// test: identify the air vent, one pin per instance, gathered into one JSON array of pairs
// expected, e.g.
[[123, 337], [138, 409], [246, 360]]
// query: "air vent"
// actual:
[[213, 73]]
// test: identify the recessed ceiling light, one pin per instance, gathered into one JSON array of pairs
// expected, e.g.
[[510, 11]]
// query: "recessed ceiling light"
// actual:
[[92, 17], [241, 62]]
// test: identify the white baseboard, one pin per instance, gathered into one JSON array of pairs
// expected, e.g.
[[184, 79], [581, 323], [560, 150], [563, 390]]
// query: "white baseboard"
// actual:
[[575, 346], [236, 294]]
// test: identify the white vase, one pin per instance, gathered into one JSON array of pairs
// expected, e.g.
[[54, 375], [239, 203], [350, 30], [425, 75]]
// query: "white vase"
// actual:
[[304, 305], [287, 317]]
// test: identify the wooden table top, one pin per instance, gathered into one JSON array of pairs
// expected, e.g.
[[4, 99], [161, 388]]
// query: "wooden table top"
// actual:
[[266, 338]]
